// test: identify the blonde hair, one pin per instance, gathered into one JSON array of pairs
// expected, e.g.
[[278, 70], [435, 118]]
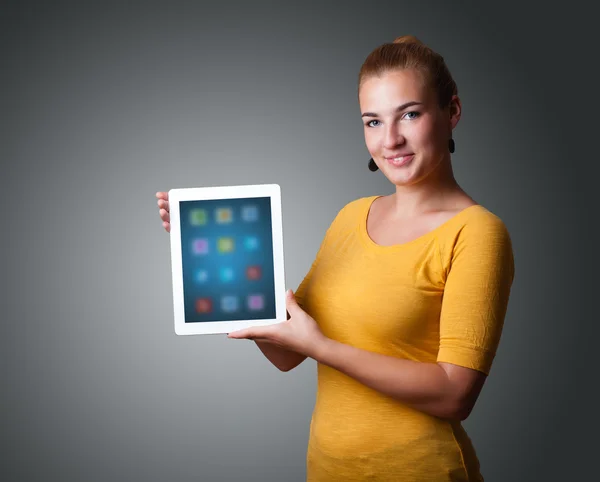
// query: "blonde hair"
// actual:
[[408, 52]]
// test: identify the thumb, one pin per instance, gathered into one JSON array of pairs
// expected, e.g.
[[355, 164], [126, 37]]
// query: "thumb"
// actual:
[[290, 300]]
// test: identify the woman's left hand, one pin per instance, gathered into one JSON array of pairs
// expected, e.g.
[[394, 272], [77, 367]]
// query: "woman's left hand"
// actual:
[[300, 333]]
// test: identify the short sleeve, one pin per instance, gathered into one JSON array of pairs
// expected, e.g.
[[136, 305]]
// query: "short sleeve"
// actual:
[[476, 294]]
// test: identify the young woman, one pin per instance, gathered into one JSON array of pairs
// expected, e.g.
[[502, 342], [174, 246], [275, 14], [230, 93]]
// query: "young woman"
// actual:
[[404, 304]]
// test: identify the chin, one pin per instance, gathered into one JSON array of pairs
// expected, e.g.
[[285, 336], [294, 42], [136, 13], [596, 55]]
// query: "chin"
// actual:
[[405, 177]]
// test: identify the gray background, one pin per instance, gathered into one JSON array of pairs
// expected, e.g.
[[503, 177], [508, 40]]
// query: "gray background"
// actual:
[[102, 105]]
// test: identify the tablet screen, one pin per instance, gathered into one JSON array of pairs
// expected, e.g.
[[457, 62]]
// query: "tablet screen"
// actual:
[[227, 259]]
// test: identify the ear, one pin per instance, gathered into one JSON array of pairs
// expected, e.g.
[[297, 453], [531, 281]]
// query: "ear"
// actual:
[[455, 110]]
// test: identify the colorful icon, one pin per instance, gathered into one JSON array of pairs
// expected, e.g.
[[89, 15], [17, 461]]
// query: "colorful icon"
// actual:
[[224, 215], [198, 217], [229, 303], [204, 305], [256, 302], [225, 245], [201, 276], [200, 246], [253, 272], [250, 213], [251, 243], [226, 275]]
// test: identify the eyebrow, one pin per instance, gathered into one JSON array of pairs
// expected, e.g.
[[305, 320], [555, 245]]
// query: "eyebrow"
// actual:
[[398, 109]]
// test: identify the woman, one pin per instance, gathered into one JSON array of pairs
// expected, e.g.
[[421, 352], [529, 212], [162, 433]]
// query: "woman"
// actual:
[[404, 304]]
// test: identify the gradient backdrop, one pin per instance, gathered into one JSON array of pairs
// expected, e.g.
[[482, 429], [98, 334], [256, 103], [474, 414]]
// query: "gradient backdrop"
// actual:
[[103, 104]]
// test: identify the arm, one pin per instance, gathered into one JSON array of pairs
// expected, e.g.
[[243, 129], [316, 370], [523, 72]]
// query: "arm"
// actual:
[[439, 389], [284, 360], [476, 293]]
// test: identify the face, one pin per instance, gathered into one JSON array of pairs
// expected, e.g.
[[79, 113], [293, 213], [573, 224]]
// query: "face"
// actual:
[[406, 132]]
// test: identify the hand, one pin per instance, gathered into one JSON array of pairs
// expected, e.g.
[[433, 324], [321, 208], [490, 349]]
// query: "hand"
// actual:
[[163, 210], [300, 333]]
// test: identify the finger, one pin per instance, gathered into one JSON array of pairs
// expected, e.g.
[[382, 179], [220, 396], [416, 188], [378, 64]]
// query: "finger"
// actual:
[[163, 204], [240, 334], [290, 302], [164, 215], [162, 195], [256, 332], [167, 226]]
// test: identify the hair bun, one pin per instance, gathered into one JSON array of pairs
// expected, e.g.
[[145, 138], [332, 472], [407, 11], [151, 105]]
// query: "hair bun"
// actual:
[[408, 39]]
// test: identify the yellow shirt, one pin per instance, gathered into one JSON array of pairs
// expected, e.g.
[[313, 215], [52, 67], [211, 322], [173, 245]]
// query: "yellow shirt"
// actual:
[[439, 298]]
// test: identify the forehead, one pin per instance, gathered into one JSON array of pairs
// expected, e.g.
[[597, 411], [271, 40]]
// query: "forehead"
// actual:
[[387, 91]]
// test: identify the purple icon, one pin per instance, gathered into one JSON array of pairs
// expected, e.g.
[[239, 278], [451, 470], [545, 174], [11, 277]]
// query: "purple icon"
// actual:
[[200, 246], [256, 302]]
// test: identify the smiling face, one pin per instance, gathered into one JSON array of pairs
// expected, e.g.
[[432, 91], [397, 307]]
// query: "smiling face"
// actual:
[[406, 132]]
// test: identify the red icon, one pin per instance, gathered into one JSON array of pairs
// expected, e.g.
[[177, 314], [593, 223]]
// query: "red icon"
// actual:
[[203, 305], [253, 272]]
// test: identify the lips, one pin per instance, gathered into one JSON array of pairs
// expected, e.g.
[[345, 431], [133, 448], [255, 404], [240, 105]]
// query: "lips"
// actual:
[[395, 156], [400, 160]]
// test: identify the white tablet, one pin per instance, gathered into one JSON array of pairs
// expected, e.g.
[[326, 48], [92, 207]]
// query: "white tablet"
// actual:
[[227, 258]]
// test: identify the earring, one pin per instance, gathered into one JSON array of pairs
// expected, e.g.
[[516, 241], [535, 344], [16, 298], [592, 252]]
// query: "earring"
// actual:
[[372, 166], [451, 145]]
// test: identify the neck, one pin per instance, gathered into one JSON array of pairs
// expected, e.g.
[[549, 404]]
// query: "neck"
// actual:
[[433, 193]]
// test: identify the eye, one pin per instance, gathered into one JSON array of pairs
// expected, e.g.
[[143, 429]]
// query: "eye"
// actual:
[[417, 114], [370, 123]]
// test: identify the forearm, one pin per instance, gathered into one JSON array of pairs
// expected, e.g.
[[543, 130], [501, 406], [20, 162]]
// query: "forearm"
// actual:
[[423, 386], [284, 360]]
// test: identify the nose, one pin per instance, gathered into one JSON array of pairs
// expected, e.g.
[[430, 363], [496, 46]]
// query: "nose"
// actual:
[[392, 136]]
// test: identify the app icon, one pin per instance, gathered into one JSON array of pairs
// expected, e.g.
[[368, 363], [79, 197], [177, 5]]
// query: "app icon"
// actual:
[[250, 213], [198, 217], [229, 303], [201, 276], [256, 302], [225, 245], [224, 215], [200, 246], [251, 243], [203, 305], [253, 272], [226, 275]]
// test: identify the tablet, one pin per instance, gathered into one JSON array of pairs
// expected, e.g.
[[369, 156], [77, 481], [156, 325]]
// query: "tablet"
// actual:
[[227, 258]]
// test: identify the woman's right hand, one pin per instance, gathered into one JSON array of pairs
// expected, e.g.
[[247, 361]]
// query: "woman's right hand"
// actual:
[[163, 210]]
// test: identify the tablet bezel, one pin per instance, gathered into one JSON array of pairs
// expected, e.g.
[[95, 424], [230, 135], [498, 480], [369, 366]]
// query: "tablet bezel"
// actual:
[[273, 191]]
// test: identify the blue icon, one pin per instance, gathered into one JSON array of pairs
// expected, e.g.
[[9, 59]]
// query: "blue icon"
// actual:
[[229, 303], [201, 276], [250, 213], [251, 243], [226, 275]]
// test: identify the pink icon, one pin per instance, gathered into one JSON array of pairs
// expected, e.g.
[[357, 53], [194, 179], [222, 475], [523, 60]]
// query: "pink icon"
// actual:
[[200, 246], [256, 302]]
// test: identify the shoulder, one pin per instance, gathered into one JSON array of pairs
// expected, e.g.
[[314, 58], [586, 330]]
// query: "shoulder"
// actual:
[[478, 236], [476, 222], [356, 207], [350, 214]]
